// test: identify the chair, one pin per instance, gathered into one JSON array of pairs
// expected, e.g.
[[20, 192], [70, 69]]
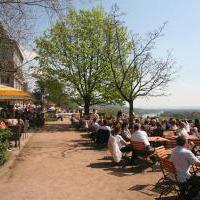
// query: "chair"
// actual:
[[16, 134], [170, 179], [196, 151], [161, 152], [196, 148], [140, 149]]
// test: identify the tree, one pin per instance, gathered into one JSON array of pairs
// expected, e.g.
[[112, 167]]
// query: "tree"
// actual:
[[74, 50], [140, 74], [18, 16], [53, 89]]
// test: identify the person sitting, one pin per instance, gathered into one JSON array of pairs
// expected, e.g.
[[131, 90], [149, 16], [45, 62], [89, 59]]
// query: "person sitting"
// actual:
[[158, 131], [182, 130], [101, 119], [123, 146], [140, 136], [94, 115], [183, 159], [125, 133], [173, 125], [95, 125], [105, 126], [95, 128], [187, 125], [197, 124], [74, 121]]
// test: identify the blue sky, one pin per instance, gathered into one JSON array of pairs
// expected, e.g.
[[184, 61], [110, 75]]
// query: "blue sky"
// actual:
[[181, 36]]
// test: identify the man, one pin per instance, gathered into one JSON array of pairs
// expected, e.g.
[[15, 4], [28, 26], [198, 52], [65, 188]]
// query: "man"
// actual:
[[182, 130], [95, 125], [139, 135], [183, 159], [94, 115], [105, 126]]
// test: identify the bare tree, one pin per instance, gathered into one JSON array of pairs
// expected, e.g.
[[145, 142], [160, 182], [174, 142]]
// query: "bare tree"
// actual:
[[18, 16], [17, 26], [141, 75]]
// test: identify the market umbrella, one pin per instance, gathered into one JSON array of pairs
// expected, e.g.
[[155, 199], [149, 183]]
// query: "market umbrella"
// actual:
[[12, 94]]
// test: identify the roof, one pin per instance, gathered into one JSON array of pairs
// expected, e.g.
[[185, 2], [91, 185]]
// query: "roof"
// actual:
[[10, 93]]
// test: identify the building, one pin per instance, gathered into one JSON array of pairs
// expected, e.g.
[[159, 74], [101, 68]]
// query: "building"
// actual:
[[11, 60]]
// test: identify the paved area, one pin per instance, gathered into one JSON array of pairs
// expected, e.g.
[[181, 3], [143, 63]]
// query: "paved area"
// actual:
[[58, 164]]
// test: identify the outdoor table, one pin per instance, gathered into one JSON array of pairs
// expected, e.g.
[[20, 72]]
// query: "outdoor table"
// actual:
[[157, 139], [192, 137], [189, 137]]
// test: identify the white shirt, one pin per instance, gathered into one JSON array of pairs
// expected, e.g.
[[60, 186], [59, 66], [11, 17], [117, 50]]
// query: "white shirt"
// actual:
[[183, 159], [114, 148], [187, 127], [120, 141], [140, 136]]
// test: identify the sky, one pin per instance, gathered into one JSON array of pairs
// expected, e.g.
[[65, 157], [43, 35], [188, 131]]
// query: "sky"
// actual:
[[181, 36]]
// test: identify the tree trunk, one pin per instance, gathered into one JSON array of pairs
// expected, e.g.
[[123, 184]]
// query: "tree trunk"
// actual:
[[131, 117], [87, 106]]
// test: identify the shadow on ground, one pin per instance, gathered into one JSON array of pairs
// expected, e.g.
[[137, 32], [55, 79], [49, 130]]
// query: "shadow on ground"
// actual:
[[151, 190], [58, 127], [119, 169]]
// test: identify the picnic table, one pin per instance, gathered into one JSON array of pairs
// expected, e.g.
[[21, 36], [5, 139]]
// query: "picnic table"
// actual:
[[189, 137], [157, 139]]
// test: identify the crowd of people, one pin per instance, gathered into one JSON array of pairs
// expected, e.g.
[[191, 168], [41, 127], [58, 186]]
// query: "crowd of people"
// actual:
[[121, 135], [33, 113]]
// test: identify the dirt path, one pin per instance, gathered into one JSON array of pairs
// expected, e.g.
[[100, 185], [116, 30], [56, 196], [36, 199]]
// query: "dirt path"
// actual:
[[57, 164]]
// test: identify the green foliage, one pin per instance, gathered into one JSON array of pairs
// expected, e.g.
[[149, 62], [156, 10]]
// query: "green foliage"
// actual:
[[54, 89], [181, 115], [74, 51], [4, 136], [50, 116], [108, 111]]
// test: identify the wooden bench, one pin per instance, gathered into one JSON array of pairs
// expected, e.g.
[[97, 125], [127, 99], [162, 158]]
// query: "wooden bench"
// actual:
[[140, 149]]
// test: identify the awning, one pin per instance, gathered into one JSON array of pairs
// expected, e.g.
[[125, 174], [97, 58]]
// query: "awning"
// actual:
[[12, 94]]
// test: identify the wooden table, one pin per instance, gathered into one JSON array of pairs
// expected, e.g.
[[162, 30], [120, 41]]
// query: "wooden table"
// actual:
[[157, 139], [189, 137]]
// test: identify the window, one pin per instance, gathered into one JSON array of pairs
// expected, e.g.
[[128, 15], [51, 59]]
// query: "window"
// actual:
[[5, 80]]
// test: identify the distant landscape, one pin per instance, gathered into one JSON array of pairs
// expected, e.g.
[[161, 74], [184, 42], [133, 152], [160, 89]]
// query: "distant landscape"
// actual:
[[184, 113], [177, 113]]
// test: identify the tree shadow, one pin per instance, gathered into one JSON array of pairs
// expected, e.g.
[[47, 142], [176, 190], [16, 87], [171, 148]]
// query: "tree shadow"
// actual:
[[85, 144], [167, 198], [58, 127], [119, 170]]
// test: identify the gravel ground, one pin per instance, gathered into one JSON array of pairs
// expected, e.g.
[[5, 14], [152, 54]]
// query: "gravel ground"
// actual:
[[58, 163]]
